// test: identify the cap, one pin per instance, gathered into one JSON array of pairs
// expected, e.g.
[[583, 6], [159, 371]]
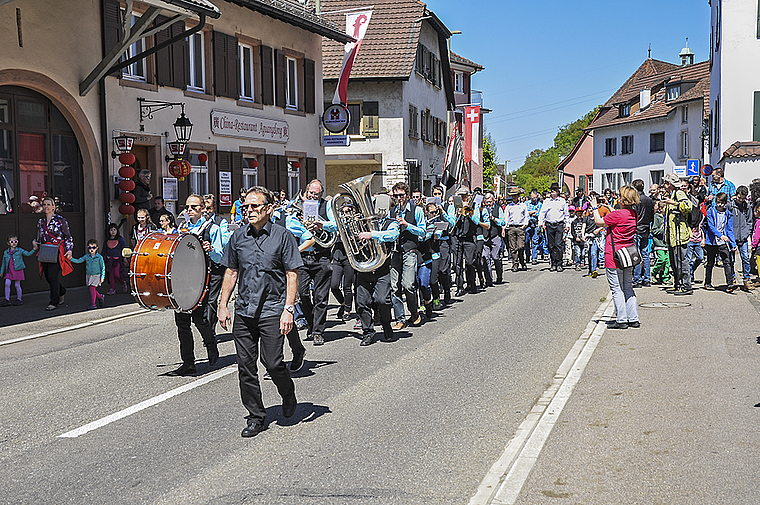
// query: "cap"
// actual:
[[672, 178], [462, 191], [571, 208]]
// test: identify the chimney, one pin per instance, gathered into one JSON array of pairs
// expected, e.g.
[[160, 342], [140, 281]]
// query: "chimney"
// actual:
[[645, 98]]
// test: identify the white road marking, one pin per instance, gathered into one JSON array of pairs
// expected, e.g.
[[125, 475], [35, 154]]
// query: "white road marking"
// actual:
[[74, 327], [149, 403], [505, 479]]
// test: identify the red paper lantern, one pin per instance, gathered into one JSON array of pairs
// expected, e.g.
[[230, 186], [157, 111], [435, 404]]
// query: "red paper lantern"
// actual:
[[254, 163], [202, 157], [127, 185], [296, 165], [127, 198], [127, 172], [180, 168], [127, 158], [126, 209]]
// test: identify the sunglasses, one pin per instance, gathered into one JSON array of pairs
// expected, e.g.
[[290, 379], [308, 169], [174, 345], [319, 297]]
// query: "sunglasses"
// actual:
[[402, 195], [91, 247], [193, 207], [252, 206]]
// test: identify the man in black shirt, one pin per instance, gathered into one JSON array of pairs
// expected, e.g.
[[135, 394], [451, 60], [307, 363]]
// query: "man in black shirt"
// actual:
[[263, 259], [158, 210], [642, 275]]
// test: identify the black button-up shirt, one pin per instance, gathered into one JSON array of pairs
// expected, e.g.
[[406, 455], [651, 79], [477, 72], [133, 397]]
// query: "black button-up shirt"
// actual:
[[262, 259]]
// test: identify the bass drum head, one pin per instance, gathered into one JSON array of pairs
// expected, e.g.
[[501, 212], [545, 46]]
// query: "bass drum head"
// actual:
[[188, 270]]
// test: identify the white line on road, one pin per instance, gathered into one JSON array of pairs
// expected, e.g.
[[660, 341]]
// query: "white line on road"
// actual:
[[148, 403], [505, 479]]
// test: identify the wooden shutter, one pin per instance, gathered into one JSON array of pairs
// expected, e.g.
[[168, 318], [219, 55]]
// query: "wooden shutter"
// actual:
[[756, 118], [179, 56], [237, 173], [280, 77], [303, 174], [233, 67], [466, 84], [282, 172], [267, 76], [311, 170], [270, 175], [310, 90], [111, 26], [164, 56], [370, 119], [220, 64]]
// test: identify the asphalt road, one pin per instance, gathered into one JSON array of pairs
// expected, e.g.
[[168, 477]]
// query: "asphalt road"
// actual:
[[416, 421]]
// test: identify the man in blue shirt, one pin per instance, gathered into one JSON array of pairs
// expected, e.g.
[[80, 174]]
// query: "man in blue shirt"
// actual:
[[719, 184], [411, 223], [493, 214], [533, 232]]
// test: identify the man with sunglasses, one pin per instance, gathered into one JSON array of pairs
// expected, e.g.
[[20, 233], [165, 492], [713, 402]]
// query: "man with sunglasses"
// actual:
[[211, 240], [316, 267], [263, 260], [412, 227]]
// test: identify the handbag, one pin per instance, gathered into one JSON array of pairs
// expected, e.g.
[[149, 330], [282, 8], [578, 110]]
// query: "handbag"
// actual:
[[628, 256], [48, 253]]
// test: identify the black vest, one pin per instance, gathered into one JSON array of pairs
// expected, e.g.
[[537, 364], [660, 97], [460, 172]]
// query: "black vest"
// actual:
[[465, 228], [495, 229], [407, 241]]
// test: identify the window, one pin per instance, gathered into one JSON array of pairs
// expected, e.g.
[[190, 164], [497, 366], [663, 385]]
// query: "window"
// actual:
[[413, 131], [608, 181], [673, 93], [198, 175], [458, 82], [655, 176], [135, 71], [246, 73], [423, 125], [196, 75], [354, 127], [590, 179], [716, 120], [294, 179], [625, 179], [582, 182], [626, 144], [291, 89], [610, 147], [685, 114], [625, 110], [419, 61], [370, 119], [250, 172], [684, 144], [656, 142]]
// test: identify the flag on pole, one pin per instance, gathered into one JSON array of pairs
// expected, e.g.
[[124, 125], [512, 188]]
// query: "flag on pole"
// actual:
[[472, 134], [453, 166], [356, 26]]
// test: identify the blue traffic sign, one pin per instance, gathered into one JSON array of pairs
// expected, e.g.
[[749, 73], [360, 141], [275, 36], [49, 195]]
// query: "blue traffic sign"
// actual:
[[692, 167]]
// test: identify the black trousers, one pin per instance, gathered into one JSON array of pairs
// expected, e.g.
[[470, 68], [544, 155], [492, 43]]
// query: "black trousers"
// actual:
[[342, 275], [441, 272], [374, 289], [212, 297], [713, 251], [52, 273], [464, 262], [185, 331], [555, 242], [479, 268], [314, 304], [254, 338]]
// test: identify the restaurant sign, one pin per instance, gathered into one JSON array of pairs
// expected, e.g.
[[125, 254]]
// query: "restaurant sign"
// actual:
[[245, 126]]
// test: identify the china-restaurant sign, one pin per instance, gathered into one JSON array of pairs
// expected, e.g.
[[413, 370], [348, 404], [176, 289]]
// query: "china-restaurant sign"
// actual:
[[245, 126]]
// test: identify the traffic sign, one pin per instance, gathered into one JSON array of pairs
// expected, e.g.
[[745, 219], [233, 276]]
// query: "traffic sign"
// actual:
[[692, 167]]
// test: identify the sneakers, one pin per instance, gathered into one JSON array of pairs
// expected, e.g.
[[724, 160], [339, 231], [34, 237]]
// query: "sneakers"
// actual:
[[297, 363], [731, 288], [358, 324], [111, 292], [368, 339], [634, 324], [100, 302], [617, 326], [709, 287], [646, 284], [594, 274], [636, 285], [5, 303], [400, 325], [683, 291], [51, 307], [90, 307], [318, 339], [18, 302], [63, 300], [416, 319]]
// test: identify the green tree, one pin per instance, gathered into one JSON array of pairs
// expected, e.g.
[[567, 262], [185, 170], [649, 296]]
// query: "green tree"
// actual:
[[489, 161]]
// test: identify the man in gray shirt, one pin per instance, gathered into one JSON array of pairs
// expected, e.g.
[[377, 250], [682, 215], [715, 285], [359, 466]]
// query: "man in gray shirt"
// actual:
[[263, 259]]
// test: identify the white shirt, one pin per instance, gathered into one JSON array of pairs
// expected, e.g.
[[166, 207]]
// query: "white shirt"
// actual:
[[517, 214], [554, 210]]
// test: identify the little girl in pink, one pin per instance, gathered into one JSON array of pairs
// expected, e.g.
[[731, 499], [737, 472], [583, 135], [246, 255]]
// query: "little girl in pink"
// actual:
[[13, 270]]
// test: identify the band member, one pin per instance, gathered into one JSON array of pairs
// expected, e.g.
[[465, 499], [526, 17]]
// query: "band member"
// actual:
[[211, 239], [373, 289], [316, 267], [480, 236], [263, 260], [517, 218], [555, 220], [441, 273], [493, 239], [465, 230], [216, 275], [411, 223], [342, 275], [533, 234]]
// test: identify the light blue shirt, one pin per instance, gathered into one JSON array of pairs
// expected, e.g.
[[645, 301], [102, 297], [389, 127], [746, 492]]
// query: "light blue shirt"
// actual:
[[483, 217], [215, 234], [419, 215], [389, 235], [224, 228], [297, 228]]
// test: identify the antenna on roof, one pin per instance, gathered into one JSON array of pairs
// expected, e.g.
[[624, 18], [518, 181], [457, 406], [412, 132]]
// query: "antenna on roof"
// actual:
[[649, 52]]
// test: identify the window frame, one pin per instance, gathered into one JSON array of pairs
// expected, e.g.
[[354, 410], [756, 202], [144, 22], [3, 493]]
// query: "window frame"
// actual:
[[291, 104], [684, 145], [132, 50], [191, 85], [625, 110], [685, 114], [242, 48], [250, 172], [610, 146], [626, 149], [198, 172], [414, 131], [653, 138]]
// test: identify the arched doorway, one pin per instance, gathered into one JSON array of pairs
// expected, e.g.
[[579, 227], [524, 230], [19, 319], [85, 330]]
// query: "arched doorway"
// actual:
[[39, 156]]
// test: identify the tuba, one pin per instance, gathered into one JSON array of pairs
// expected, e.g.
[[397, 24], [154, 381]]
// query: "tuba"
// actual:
[[322, 237], [363, 255]]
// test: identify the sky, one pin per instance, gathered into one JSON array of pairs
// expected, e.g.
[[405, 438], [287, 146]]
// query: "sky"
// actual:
[[548, 63]]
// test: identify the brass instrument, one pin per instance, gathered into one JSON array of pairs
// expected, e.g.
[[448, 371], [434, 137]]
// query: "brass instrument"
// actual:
[[363, 255], [322, 237]]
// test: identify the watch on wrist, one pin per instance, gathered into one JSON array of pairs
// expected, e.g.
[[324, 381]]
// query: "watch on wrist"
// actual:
[[290, 309]]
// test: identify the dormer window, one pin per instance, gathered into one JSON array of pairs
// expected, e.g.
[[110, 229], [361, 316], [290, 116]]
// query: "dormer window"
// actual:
[[625, 110], [673, 93]]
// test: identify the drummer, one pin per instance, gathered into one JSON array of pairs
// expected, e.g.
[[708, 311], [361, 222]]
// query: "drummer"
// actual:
[[211, 238]]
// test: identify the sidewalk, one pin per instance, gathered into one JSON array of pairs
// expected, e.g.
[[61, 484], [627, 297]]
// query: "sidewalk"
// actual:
[[664, 414], [31, 318]]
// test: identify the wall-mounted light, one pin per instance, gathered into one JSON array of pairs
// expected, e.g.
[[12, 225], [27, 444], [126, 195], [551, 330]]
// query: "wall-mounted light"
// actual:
[[123, 144]]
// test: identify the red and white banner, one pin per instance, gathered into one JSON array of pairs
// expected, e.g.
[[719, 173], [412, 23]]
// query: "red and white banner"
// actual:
[[356, 26], [472, 134]]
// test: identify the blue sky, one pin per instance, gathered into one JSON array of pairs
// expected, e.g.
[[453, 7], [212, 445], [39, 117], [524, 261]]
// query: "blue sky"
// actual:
[[547, 63]]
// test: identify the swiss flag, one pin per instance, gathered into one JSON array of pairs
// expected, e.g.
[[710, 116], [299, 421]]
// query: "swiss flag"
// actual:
[[472, 133]]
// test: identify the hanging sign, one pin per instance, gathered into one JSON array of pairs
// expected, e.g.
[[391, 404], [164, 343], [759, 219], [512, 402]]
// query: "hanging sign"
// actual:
[[336, 118], [225, 188], [246, 126]]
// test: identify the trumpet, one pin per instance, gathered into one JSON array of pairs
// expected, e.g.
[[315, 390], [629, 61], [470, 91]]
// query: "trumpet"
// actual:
[[322, 237]]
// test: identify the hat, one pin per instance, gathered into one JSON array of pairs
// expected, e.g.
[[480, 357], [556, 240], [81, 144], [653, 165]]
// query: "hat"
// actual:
[[554, 187], [672, 178], [571, 208], [514, 191], [33, 198], [462, 191]]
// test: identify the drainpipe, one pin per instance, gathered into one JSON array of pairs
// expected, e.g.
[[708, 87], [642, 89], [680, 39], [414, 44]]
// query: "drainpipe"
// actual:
[[104, 140]]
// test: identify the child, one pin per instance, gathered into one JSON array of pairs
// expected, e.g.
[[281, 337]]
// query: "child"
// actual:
[[13, 269], [661, 267], [756, 239], [166, 222], [578, 232], [96, 272], [719, 240], [114, 260]]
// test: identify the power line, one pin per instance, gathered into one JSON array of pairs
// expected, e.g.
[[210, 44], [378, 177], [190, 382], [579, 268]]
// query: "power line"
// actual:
[[548, 105]]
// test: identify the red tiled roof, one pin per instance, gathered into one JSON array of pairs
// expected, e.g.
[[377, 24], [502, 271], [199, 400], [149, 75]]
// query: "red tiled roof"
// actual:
[[455, 58], [648, 68], [390, 45], [743, 150]]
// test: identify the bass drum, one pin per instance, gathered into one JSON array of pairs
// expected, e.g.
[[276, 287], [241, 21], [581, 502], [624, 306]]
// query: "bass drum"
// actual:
[[169, 272]]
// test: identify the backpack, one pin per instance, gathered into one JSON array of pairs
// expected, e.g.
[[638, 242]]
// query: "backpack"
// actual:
[[694, 217]]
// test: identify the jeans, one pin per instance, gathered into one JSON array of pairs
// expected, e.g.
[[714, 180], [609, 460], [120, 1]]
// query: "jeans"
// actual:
[[696, 254], [403, 274], [623, 295], [642, 272], [491, 250], [580, 248], [423, 280], [533, 239], [593, 254], [743, 247]]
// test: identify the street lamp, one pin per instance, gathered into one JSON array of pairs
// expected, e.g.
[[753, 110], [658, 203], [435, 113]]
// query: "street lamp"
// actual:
[[123, 143], [183, 128]]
